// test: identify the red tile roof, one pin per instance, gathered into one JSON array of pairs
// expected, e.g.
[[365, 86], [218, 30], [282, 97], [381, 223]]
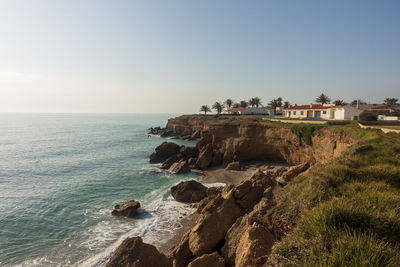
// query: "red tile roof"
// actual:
[[313, 106]]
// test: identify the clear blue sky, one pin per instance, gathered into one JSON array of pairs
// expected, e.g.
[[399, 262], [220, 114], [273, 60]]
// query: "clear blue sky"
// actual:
[[173, 56]]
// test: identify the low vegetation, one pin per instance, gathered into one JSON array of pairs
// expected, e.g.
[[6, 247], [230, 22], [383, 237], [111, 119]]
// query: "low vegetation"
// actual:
[[305, 132], [346, 212]]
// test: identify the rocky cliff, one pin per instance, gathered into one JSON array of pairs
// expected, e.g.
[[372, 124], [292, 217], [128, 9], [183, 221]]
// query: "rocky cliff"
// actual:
[[235, 226], [249, 138]]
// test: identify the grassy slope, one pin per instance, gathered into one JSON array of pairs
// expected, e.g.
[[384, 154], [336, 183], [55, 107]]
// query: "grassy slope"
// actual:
[[346, 212]]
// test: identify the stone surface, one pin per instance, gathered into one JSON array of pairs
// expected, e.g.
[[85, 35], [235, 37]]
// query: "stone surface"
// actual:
[[234, 166], [164, 151], [291, 173], [217, 217], [180, 167], [205, 158], [208, 260], [181, 255], [171, 160], [134, 253], [189, 191], [127, 208], [189, 152]]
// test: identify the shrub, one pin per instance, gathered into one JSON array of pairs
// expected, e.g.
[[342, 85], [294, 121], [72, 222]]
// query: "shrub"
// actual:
[[365, 116]]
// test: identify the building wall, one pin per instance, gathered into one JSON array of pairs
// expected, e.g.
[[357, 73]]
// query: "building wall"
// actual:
[[342, 113]]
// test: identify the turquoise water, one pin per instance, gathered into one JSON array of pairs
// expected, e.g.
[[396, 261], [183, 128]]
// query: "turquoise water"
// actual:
[[60, 176]]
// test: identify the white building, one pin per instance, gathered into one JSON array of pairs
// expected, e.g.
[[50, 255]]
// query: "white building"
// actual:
[[325, 111], [248, 111], [387, 118]]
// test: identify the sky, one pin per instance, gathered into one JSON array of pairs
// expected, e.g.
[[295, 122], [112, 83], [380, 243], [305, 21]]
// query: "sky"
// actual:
[[172, 56]]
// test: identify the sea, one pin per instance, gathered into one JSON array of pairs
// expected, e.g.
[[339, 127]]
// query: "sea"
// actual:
[[61, 175]]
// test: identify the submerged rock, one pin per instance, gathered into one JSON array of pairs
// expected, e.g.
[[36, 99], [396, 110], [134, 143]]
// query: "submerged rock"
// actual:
[[189, 191], [127, 208], [134, 253]]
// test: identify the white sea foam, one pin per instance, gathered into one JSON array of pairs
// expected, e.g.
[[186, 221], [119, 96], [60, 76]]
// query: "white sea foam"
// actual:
[[163, 219]]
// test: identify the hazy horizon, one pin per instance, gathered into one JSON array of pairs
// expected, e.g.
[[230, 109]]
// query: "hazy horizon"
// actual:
[[170, 57]]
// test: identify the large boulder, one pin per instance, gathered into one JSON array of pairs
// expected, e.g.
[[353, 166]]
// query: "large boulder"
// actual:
[[189, 191], [164, 151], [249, 192], [134, 253], [216, 219], [127, 208], [181, 254], [180, 167], [189, 152], [205, 157], [171, 160], [249, 241], [209, 260]]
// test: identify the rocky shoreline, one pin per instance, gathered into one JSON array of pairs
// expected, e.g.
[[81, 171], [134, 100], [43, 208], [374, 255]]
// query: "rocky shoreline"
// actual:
[[232, 226]]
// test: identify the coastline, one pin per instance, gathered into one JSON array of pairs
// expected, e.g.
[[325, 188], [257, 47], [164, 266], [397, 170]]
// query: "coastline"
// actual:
[[213, 175]]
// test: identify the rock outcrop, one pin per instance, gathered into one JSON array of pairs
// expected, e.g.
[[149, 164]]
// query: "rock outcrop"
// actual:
[[208, 260], [134, 253], [189, 191], [164, 151], [247, 138], [180, 167], [127, 208], [234, 166]]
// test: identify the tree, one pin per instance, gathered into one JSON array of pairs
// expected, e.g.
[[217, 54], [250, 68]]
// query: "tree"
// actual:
[[279, 101], [236, 105], [273, 104], [286, 104], [243, 104], [339, 102], [218, 107], [255, 101], [228, 103], [390, 101], [323, 99], [205, 109]]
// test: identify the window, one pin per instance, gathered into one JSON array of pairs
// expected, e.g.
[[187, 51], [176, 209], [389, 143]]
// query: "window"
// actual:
[[294, 112], [301, 112], [324, 112]]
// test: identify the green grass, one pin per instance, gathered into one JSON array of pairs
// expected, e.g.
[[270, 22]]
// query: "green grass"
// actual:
[[346, 212], [391, 127], [305, 132]]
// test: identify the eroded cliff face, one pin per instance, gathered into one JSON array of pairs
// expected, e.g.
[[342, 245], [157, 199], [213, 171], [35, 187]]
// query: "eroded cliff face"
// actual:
[[248, 138]]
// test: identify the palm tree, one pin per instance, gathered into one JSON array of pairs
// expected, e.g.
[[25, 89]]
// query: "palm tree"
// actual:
[[243, 104], [279, 101], [323, 99], [286, 104], [218, 107], [273, 104], [339, 102], [228, 103], [255, 101], [236, 105], [390, 101], [205, 109]]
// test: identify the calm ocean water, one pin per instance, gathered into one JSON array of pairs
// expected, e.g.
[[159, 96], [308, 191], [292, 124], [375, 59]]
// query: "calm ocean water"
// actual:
[[60, 176]]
